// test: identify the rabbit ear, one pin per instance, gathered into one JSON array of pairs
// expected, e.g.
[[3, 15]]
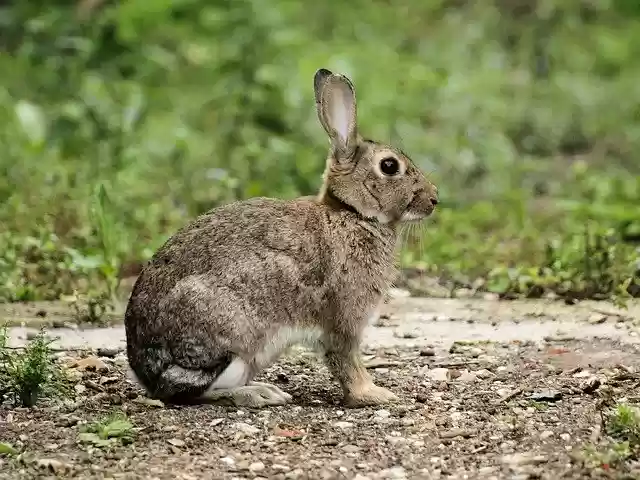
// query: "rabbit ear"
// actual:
[[336, 105]]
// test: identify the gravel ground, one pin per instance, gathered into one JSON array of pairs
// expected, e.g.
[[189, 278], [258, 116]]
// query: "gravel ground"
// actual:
[[484, 410]]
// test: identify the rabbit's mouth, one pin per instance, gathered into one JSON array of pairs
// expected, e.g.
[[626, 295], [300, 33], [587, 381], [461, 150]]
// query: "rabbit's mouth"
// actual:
[[419, 208]]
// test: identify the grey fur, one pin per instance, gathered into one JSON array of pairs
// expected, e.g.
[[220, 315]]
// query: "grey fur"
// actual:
[[227, 285]]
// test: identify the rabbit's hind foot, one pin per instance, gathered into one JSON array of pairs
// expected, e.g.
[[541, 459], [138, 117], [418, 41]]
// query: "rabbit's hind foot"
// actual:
[[253, 395]]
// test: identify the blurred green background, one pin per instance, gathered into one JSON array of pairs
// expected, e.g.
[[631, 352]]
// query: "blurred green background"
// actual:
[[120, 121]]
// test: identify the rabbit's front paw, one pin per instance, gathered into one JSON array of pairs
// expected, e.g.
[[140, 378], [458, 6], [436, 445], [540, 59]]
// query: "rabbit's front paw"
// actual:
[[369, 396]]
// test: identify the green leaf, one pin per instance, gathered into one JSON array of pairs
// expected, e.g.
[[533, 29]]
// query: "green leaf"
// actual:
[[116, 428], [33, 122], [94, 439], [7, 449]]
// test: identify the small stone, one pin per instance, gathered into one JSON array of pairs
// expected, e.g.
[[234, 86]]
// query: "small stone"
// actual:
[[547, 434], [597, 319], [108, 352], [546, 396], [246, 428], [228, 461], [408, 334], [68, 421], [582, 374], [484, 374], [459, 432], [256, 467], [176, 442], [382, 413], [427, 352], [55, 466], [565, 436], [80, 388], [438, 374], [297, 473], [422, 398], [91, 364], [475, 352], [351, 448], [150, 402], [394, 473], [591, 385], [343, 424], [467, 377], [519, 459]]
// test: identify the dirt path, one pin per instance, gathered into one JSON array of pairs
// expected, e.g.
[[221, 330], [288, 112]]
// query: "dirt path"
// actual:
[[405, 322], [489, 390]]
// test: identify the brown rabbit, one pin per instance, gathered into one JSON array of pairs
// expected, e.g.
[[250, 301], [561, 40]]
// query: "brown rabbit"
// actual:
[[228, 293]]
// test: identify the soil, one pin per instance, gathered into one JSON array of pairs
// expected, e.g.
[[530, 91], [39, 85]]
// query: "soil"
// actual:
[[488, 390]]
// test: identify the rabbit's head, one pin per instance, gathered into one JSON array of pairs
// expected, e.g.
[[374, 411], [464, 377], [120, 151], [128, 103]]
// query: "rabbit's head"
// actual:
[[376, 180]]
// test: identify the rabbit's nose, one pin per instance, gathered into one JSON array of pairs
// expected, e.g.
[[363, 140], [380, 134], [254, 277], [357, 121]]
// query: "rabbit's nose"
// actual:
[[432, 194]]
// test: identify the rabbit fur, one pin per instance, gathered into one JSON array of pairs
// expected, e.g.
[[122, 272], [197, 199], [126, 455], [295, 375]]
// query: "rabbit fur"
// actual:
[[229, 292]]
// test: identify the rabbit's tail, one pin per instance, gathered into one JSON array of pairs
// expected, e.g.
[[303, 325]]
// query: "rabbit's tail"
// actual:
[[174, 383]]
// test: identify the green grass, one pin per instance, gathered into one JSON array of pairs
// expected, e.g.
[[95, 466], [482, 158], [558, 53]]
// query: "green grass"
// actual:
[[622, 426], [120, 126], [111, 430], [31, 373]]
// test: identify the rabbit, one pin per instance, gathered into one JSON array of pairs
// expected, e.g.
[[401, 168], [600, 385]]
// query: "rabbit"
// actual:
[[231, 291]]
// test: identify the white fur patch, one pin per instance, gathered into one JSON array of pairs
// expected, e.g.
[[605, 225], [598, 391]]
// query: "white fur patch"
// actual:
[[381, 217], [408, 216], [282, 340], [240, 373], [235, 375]]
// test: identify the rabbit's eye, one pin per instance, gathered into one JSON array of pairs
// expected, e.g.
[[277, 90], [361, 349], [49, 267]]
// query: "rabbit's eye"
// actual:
[[389, 166]]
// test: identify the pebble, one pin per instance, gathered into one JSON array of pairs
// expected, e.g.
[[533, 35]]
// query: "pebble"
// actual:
[[382, 413], [546, 435], [427, 352], [565, 436], [246, 428], [91, 364], [351, 448], [394, 473], [55, 466], [151, 402], [467, 377], [475, 352], [109, 352], [176, 442], [297, 473], [484, 374], [256, 467], [228, 461], [546, 396], [517, 459], [597, 319], [591, 385], [438, 374], [343, 425]]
